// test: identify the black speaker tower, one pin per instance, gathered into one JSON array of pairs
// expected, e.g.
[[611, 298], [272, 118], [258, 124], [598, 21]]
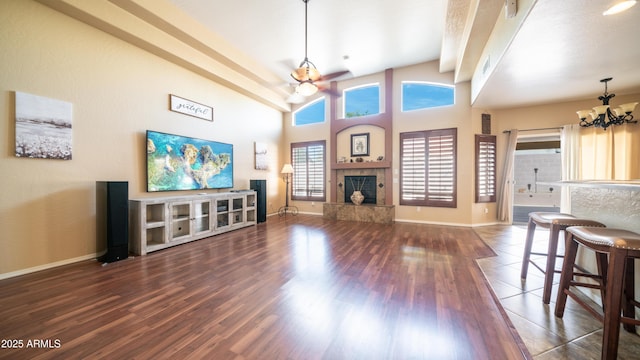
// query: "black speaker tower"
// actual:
[[112, 219], [260, 186]]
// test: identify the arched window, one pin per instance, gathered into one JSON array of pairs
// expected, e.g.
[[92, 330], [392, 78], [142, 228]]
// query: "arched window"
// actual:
[[311, 113], [362, 101], [423, 95]]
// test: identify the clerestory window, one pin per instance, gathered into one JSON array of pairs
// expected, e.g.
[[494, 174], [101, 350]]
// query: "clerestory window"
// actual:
[[311, 113], [423, 95], [362, 101]]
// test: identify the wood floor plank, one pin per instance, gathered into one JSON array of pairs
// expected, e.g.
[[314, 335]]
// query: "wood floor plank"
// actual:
[[297, 288]]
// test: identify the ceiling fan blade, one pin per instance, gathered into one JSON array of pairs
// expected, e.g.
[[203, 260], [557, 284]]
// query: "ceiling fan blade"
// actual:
[[334, 75], [295, 98], [329, 91]]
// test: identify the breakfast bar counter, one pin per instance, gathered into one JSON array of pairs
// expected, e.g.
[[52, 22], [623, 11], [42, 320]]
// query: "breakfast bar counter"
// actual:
[[613, 203]]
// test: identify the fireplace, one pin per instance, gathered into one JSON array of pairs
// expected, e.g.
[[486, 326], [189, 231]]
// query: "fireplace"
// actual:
[[375, 187], [374, 208], [365, 184]]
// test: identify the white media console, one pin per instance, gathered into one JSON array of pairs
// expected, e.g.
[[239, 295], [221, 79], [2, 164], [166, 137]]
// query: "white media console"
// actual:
[[160, 222]]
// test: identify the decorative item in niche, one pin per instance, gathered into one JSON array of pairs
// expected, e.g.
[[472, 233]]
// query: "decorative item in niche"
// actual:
[[43, 127], [191, 108], [261, 156], [357, 197], [360, 144]]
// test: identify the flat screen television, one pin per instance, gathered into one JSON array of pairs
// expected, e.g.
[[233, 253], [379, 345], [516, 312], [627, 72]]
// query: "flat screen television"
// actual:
[[177, 162]]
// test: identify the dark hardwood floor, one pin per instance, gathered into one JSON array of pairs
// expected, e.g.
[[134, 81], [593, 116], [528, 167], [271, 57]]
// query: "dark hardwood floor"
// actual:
[[295, 288]]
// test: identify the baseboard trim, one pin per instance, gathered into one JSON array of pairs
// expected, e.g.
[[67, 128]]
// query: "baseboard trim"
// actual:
[[432, 222], [47, 266]]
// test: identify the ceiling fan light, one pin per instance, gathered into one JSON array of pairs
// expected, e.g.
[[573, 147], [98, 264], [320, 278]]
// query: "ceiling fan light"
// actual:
[[306, 88], [314, 74], [619, 7], [305, 73], [300, 74]]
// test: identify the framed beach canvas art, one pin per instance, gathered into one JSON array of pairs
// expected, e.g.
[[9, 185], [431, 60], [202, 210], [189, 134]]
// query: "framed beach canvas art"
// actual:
[[43, 127]]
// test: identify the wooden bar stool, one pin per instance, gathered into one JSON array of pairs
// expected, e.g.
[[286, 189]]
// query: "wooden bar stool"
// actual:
[[616, 279], [555, 222]]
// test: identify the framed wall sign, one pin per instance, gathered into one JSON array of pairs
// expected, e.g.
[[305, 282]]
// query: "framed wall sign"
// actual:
[[360, 144], [191, 108]]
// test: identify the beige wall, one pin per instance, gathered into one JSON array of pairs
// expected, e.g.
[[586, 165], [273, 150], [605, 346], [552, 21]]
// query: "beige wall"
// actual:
[[47, 207]]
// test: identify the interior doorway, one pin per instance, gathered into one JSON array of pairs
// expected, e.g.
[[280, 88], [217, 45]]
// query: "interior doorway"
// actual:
[[538, 159]]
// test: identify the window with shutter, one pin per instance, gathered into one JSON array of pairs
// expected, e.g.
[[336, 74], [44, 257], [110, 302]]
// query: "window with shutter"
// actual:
[[308, 161], [485, 168], [428, 168]]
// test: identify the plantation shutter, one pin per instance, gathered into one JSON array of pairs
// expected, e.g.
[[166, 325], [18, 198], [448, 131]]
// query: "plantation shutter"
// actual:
[[428, 168], [308, 161], [414, 167], [485, 168]]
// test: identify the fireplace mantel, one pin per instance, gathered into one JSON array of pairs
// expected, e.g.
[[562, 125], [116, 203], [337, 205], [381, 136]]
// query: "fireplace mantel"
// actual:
[[384, 164]]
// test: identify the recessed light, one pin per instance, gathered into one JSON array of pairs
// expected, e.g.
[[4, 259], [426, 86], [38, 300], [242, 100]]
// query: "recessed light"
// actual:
[[619, 7]]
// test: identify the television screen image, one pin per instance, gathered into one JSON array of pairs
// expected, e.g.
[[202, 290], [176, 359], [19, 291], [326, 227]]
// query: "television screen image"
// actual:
[[177, 162]]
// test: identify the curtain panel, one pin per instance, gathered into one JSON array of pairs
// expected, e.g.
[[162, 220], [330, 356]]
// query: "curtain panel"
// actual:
[[612, 154]]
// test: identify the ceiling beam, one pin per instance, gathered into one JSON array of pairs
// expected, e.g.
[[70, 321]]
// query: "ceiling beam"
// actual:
[[163, 30], [498, 43]]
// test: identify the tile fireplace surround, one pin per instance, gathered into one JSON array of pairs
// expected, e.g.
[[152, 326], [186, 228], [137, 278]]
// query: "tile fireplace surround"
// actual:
[[378, 213]]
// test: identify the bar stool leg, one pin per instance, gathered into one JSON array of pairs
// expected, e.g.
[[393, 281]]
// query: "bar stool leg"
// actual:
[[554, 232], [628, 309], [531, 229], [611, 331], [602, 263], [570, 252]]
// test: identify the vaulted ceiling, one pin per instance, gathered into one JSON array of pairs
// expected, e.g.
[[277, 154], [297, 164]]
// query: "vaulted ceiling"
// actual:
[[548, 51]]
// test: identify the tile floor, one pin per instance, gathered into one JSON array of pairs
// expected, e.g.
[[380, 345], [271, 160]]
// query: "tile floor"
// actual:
[[576, 336]]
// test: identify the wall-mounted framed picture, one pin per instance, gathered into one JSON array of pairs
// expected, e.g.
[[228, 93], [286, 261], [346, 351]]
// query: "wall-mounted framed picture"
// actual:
[[43, 127], [190, 108], [360, 144], [262, 160]]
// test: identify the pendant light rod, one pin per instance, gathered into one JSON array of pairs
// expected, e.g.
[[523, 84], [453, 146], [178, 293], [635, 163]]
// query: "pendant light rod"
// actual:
[[306, 73], [305, 29]]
